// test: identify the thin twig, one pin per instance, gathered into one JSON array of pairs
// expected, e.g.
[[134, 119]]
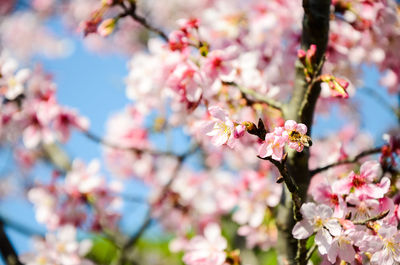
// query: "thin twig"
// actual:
[[132, 12], [107, 143], [372, 219], [315, 79], [290, 183], [147, 221], [355, 159], [259, 97], [311, 252], [133, 239]]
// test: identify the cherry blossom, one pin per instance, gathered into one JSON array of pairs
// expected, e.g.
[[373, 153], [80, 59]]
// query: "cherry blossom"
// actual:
[[207, 249], [273, 145], [292, 134], [363, 183], [59, 248], [342, 247], [296, 133], [317, 219], [12, 82], [221, 128], [385, 246]]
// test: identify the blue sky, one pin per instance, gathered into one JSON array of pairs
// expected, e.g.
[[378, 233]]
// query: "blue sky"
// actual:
[[94, 84]]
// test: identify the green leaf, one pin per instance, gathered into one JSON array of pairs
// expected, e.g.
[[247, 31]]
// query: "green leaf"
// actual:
[[103, 251], [269, 257]]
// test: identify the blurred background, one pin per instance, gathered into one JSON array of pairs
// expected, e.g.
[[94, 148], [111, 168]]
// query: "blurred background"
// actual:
[[92, 81]]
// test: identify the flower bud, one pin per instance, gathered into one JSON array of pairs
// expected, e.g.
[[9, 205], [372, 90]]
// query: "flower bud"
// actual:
[[107, 27]]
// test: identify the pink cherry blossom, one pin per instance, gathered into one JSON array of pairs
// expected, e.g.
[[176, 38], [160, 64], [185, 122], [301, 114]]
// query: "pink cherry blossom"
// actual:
[[207, 249], [385, 246], [363, 183], [323, 193], [67, 118], [59, 248], [186, 81], [295, 133], [273, 145]]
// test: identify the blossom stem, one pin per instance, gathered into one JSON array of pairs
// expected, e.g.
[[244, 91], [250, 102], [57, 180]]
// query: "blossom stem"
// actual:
[[372, 219], [355, 159], [314, 81]]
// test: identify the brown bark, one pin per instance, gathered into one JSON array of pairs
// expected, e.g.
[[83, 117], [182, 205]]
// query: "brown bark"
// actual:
[[301, 109]]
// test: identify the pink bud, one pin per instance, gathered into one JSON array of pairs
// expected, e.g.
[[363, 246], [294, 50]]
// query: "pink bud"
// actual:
[[239, 131]]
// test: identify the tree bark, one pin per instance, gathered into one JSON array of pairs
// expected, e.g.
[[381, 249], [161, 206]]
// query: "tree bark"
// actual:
[[315, 31]]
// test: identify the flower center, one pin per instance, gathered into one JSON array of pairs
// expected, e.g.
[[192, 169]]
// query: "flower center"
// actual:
[[358, 181], [319, 222], [12, 82], [223, 128]]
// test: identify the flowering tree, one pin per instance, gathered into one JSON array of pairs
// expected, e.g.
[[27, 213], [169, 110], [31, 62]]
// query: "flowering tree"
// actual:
[[245, 81]]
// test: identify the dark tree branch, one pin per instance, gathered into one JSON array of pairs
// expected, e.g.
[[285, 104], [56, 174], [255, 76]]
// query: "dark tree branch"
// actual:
[[7, 250], [301, 109], [290, 184], [355, 159], [132, 12], [133, 239], [147, 221], [17, 226]]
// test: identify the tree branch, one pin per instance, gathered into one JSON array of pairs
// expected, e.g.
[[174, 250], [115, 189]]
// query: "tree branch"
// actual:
[[259, 97], [301, 109], [7, 250], [132, 12], [355, 159], [373, 219], [147, 221], [17, 226], [311, 252], [107, 143], [290, 184]]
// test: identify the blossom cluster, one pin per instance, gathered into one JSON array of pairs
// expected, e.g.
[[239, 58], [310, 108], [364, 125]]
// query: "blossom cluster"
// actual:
[[30, 108], [292, 133], [82, 199], [354, 219], [59, 248]]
